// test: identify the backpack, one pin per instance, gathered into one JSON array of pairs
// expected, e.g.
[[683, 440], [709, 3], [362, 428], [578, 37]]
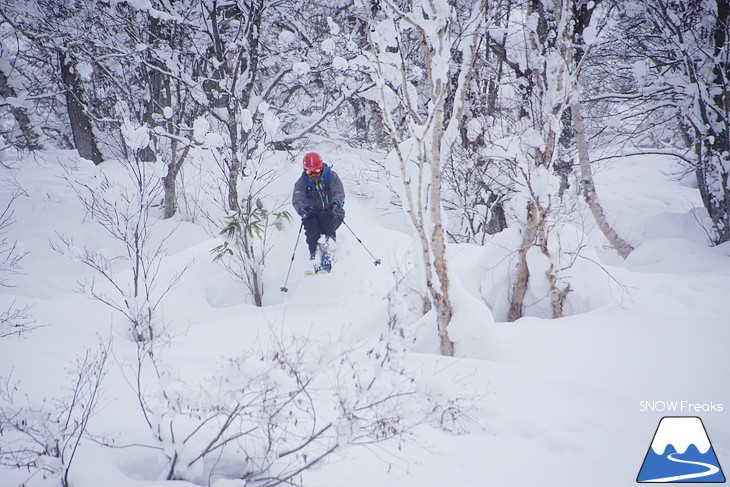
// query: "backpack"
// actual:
[[311, 188]]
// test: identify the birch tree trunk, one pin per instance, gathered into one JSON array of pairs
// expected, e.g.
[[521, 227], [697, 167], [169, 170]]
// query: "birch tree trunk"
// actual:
[[421, 91], [622, 247], [440, 296], [547, 88], [522, 275]]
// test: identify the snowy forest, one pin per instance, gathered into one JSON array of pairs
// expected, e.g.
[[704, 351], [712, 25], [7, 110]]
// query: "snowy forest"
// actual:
[[536, 234]]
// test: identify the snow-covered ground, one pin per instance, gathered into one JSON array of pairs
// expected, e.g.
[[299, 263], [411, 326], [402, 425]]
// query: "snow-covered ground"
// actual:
[[551, 402]]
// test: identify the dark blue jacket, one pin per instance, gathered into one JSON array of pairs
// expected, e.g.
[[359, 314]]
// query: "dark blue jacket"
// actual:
[[318, 195]]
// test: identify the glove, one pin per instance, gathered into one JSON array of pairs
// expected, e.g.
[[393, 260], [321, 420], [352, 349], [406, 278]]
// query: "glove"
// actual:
[[337, 211], [303, 212]]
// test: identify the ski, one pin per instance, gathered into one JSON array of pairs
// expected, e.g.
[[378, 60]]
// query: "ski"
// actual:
[[317, 273]]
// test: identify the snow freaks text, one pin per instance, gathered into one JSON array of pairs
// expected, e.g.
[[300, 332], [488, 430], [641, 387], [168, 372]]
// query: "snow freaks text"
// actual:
[[680, 407]]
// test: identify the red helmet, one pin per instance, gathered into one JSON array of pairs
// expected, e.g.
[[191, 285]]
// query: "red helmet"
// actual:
[[313, 162]]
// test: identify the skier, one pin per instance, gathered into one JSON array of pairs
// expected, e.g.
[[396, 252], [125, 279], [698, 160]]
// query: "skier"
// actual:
[[319, 198]]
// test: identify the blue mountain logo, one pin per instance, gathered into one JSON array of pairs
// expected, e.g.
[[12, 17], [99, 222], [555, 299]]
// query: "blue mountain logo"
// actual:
[[681, 452]]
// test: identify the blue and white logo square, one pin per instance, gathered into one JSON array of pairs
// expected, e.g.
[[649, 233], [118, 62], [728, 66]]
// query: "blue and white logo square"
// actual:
[[681, 452]]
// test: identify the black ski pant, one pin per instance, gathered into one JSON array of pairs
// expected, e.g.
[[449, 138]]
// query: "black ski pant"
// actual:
[[318, 224]]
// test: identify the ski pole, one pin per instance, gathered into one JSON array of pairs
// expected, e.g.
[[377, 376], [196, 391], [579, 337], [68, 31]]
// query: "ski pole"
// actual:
[[375, 261], [284, 288]]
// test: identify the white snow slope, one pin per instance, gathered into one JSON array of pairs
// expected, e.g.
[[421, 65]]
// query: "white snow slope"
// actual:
[[566, 402]]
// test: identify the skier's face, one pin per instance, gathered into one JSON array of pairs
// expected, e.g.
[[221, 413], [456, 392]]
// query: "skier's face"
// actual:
[[313, 174]]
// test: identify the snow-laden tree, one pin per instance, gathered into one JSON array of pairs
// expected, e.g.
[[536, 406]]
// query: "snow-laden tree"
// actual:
[[57, 34], [522, 133], [413, 53], [267, 415], [125, 212], [574, 126], [338, 75], [19, 127], [149, 72], [476, 191], [548, 84], [45, 439], [274, 71], [680, 59], [198, 73]]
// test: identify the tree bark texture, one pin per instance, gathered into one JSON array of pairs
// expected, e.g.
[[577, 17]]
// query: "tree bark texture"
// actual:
[[622, 247], [234, 164], [241, 66], [170, 180], [716, 163], [438, 243], [557, 295], [711, 171], [83, 135], [158, 85], [522, 274]]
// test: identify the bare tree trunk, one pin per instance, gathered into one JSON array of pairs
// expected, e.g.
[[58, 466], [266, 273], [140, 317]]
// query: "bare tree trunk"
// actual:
[[522, 277], [158, 86], [234, 165], [84, 138], [718, 146], [563, 164], [438, 243], [714, 186], [258, 296], [422, 190], [712, 129], [241, 67], [29, 136], [170, 198], [360, 121], [544, 105], [622, 247], [557, 296], [170, 180]]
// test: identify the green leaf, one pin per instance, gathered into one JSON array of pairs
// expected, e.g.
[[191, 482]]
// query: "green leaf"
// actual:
[[220, 251], [232, 226]]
